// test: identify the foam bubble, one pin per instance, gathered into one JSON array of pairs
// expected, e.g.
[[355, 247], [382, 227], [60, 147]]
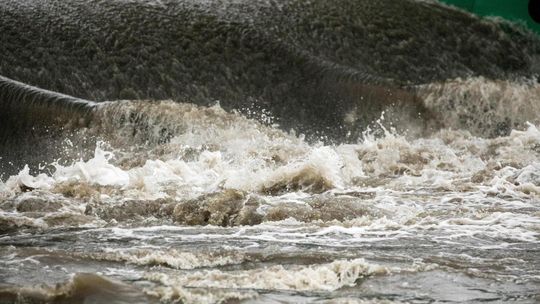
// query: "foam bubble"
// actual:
[[171, 258], [328, 277]]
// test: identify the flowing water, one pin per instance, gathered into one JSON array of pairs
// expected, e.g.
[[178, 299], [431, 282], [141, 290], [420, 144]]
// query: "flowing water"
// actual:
[[175, 202], [363, 151]]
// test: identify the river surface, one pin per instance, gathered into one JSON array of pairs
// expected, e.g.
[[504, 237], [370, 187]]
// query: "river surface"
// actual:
[[230, 210], [267, 151]]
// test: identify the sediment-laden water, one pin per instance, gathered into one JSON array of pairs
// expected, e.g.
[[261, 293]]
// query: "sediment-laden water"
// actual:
[[229, 209], [288, 151]]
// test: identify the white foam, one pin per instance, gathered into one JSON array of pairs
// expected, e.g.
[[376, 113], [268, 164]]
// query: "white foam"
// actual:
[[171, 258], [328, 277], [97, 170], [451, 182], [251, 157], [24, 178]]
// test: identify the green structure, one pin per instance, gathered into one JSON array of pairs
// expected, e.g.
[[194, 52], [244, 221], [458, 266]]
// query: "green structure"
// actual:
[[514, 10]]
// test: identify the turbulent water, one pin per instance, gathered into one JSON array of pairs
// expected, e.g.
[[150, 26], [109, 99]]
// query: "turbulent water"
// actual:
[[178, 202], [361, 151]]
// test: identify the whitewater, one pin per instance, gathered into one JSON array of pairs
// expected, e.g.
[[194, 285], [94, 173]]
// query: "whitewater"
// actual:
[[267, 151], [227, 208]]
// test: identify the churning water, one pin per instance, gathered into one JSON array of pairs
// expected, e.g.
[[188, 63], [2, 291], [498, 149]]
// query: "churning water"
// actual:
[[178, 202], [363, 151]]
